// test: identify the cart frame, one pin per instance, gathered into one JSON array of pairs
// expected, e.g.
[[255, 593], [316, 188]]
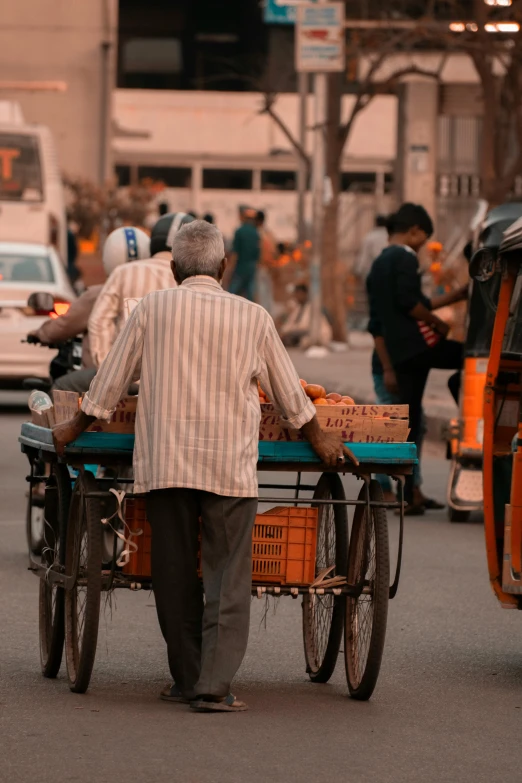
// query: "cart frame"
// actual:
[[112, 450]]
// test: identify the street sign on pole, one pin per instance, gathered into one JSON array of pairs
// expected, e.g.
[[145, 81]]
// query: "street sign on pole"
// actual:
[[281, 12], [319, 38]]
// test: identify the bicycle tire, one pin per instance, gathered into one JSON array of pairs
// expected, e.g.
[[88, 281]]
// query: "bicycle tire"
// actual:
[[363, 616], [51, 597], [35, 541], [323, 615], [82, 601]]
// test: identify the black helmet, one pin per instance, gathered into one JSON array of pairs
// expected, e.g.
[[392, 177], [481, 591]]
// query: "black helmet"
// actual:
[[164, 230]]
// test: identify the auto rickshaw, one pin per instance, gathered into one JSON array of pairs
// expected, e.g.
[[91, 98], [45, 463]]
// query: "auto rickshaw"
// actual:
[[464, 493], [502, 463]]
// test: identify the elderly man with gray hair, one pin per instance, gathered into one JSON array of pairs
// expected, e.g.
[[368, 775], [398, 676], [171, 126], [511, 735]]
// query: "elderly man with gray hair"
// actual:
[[199, 353]]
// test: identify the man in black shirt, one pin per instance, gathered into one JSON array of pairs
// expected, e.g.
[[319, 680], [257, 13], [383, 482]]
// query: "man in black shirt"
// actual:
[[409, 338]]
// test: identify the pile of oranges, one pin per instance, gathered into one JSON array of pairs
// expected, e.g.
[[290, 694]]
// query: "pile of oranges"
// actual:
[[317, 394]]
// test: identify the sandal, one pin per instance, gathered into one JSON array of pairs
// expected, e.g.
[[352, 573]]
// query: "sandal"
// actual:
[[173, 693], [228, 704], [432, 505]]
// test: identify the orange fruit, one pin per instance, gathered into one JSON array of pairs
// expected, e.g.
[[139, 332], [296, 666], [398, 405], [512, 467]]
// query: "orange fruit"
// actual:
[[303, 383], [334, 396], [347, 400], [320, 401], [314, 391]]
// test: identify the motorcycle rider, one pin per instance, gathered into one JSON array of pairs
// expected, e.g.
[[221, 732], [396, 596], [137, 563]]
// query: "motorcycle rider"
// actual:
[[133, 282], [121, 246]]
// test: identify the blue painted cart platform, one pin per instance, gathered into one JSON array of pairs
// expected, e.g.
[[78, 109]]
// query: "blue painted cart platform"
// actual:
[[98, 443]]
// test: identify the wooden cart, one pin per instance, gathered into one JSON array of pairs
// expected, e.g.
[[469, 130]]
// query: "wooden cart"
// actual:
[[351, 584]]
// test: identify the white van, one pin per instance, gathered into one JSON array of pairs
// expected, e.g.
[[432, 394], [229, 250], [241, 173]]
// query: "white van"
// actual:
[[32, 205]]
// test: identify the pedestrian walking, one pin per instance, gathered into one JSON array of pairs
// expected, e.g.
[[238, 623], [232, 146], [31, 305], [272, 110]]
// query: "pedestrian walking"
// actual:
[[196, 454], [245, 255]]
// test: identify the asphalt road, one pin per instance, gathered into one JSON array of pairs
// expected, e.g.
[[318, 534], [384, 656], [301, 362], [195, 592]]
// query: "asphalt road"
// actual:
[[448, 705]]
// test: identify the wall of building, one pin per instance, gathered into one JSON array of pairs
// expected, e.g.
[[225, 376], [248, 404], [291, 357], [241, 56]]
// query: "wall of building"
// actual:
[[61, 41], [170, 123]]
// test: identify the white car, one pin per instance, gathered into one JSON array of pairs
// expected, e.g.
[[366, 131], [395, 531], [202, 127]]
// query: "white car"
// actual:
[[26, 269]]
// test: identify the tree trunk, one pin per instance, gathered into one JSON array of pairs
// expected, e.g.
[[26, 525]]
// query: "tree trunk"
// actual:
[[490, 177], [333, 273]]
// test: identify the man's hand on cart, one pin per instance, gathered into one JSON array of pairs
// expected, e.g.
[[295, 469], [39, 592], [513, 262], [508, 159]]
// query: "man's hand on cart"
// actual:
[[65, 433], [328, 446]]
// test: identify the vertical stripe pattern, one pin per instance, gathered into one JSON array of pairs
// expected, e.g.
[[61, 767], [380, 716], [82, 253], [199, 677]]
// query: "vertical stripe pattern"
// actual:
[[129, 281], [199, 353]]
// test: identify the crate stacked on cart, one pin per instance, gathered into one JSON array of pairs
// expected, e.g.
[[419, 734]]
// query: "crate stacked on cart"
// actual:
[[355, 423]]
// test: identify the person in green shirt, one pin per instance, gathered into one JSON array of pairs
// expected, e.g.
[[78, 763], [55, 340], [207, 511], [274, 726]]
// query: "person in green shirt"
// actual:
[[245, 255]]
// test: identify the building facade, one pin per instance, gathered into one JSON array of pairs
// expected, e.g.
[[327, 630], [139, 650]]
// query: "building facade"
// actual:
[[58, 61]]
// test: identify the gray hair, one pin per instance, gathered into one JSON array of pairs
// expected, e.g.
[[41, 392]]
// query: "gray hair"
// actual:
[[198, 249]]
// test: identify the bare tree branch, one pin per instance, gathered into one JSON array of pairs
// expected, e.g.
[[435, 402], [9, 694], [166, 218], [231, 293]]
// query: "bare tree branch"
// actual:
[[370, 89], [268, 108]]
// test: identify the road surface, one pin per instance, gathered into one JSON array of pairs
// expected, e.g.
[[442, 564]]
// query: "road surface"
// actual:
[[448, 705]]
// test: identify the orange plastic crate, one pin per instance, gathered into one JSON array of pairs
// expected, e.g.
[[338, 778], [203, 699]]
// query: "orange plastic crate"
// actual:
[[136, 518], [283, 544]]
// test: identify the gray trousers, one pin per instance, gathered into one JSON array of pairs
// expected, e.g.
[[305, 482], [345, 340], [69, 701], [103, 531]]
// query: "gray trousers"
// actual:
[[75, 381], [80, 380], [205, 642]]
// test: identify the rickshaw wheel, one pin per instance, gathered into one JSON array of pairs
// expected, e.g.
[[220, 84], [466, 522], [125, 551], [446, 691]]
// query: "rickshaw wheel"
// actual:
[[82, 601], [323, 614], [34, 520], [51, 596], [366, 615]]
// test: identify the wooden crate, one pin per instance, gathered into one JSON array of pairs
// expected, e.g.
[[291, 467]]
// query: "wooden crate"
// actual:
[[67, 404], [356, 423]]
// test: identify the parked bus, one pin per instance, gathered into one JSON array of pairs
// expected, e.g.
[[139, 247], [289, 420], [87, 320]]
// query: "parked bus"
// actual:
[[32, 205]]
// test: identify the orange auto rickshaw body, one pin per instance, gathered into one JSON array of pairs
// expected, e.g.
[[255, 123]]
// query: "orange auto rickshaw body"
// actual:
[[502, 464], [465, 483]]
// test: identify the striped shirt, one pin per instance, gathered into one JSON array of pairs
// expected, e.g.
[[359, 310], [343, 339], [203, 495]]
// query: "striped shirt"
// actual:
[[136, 279], [199, 353]]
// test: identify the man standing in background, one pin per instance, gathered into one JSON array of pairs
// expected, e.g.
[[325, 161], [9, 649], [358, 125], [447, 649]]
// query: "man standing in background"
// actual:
[[245, 255], [410, 340]]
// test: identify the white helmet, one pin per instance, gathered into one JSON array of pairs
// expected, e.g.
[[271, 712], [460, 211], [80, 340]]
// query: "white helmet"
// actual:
[[124, 244]]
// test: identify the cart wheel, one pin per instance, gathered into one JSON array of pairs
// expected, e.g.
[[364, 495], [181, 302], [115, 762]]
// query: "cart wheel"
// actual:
[[34, 519], [51, 596], [366, 616], [456, 515], [82, 601], [323, 614]]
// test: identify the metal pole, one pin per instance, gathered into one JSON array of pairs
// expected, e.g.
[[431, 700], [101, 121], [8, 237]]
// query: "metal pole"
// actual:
[[318, 177], [302, 172], [104, 111], [108, 11]]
